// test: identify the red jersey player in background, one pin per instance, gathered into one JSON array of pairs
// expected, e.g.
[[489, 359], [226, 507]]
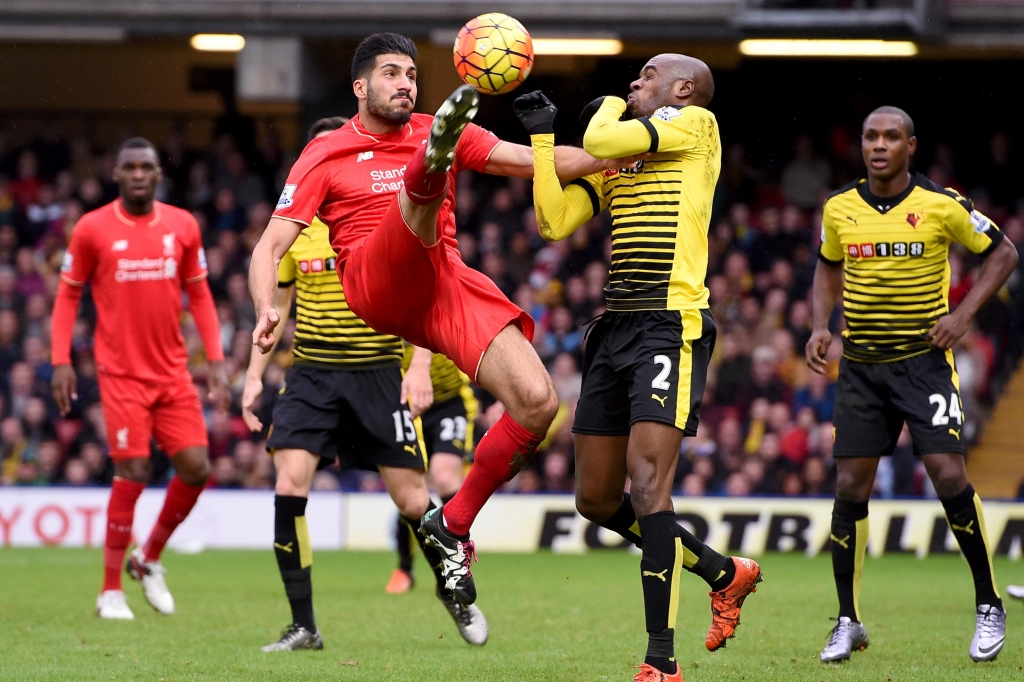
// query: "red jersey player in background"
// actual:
[[385, 186], [139, 254]]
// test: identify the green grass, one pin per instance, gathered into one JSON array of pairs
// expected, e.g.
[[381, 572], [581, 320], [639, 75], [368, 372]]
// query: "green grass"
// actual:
[[552, 617]]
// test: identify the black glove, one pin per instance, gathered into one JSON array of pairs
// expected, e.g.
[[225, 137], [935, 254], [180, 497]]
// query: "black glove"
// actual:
[[589, 111], [536, 112]]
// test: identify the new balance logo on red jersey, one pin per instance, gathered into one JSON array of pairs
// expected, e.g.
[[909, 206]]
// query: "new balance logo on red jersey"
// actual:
[[364, 156], [120, 245]]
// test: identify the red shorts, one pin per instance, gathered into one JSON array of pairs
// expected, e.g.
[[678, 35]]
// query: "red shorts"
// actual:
[[136, 411], [426, 295]]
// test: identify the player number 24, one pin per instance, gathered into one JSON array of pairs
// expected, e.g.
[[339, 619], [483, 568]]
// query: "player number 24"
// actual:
[[940, 418], [405, 430]]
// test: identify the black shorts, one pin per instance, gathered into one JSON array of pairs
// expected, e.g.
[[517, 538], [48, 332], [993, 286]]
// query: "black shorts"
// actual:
[[448, 426], [874, 400], [645, 366], [353, 416]]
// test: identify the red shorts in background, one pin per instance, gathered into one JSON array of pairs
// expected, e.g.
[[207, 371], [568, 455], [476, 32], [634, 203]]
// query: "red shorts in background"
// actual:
[[135, 411], [427, 296]]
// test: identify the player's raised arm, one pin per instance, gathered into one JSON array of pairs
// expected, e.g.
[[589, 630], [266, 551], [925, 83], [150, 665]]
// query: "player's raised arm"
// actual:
[[559, 212], [266, 257]]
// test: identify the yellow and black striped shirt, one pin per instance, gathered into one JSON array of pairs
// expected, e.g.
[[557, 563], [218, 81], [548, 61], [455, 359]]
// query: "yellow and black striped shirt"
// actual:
[[660, 207], [894, 252], [326, 331], [448, 380]]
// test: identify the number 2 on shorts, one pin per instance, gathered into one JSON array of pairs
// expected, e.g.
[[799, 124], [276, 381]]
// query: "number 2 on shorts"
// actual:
[[666, 367]]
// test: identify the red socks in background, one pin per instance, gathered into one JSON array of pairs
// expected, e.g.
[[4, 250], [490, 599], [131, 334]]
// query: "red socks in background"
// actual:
[[505, 449], [177, 505], [120, 514]]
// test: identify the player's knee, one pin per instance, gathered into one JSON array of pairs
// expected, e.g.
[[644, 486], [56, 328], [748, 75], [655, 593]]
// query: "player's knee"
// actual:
[[412, 502], [851, 487], [292, 482], [135, 469], [595, 508], [538, 402], [950, 480], [197, 474]]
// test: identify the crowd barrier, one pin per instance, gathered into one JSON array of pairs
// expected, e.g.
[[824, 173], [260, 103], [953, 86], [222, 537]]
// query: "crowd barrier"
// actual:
[[237, 519]]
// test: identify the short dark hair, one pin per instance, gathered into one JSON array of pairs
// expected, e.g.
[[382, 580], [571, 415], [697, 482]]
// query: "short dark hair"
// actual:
[[326, 124], [138, 143], [908, 122], [375, 45]]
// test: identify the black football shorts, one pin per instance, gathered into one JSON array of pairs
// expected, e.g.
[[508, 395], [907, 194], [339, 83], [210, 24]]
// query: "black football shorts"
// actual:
[[873, 400], [647, 365]]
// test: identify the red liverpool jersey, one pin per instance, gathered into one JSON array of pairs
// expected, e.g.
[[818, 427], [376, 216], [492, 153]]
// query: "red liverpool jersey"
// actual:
[[137, 266], [349, 178]]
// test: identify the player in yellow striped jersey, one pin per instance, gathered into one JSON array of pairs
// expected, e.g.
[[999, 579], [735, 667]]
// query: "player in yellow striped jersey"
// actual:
[[884, 246], [344, 399], [646, 359], [448, 437]]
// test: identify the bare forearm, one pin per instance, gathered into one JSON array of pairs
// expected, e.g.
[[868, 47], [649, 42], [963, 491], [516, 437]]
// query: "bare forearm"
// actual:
[[263, 276], [828, 284], [573, 162], [258, 362], [994, 273]]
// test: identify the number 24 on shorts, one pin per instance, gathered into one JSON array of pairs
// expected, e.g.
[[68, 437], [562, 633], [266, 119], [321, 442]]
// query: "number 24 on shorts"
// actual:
[[940, 418]]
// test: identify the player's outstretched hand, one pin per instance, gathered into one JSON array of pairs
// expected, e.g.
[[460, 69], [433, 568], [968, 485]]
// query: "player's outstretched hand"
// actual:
[[219, 393], [263, 334], [948, 330], [64, 387], [817, 350], [417, 389], [536, 112], [251, 392]]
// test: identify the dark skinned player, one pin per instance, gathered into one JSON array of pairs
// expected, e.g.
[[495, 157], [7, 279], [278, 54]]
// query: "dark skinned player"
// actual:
[[139, 254], [887, 237]]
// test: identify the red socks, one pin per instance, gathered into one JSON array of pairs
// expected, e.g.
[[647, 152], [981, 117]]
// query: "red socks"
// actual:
[[505, 449], [421, 186], [177, 505], [120, 514]]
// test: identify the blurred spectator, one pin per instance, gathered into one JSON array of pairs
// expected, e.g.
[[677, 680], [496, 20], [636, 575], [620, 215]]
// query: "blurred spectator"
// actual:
[[806, 177]]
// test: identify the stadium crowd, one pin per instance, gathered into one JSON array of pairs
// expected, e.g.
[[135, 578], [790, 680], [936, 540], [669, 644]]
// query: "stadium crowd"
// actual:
[[766, 420]]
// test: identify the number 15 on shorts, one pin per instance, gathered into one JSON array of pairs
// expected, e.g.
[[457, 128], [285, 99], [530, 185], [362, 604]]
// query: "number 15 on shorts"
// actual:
[[405, 429]]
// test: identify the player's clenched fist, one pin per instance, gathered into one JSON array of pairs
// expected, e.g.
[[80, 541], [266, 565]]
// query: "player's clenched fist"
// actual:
[[536, 112], [817, 350], [263, 334]]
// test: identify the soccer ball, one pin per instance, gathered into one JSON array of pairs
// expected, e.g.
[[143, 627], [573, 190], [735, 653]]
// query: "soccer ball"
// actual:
[[493, 53]]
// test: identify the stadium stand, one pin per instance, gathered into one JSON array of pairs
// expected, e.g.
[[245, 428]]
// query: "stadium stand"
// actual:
[[765, 425]]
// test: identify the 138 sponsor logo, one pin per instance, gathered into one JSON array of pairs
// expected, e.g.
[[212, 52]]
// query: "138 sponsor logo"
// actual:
[[886, 250]]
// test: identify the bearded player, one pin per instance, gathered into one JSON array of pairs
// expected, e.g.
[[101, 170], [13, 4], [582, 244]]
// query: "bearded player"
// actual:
[[385, 186], [139, 255], [647, 357], [345, 399]]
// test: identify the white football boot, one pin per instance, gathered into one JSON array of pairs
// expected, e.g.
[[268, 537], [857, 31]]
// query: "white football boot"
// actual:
[[1016, 591], [989, 633], [469, 619], [846, 638], [151, 575], [111, 604]]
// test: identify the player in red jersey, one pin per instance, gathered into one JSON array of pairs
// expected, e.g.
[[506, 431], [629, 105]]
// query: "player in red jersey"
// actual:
[[139, 254], [385, 185]]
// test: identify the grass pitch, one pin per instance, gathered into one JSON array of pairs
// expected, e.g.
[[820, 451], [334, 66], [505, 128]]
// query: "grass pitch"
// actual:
[[552, 617]]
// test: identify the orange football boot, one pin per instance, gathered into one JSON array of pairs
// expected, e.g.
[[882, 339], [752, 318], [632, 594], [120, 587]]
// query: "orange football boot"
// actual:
[[726, 604], [648, 673], [400, 582]]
